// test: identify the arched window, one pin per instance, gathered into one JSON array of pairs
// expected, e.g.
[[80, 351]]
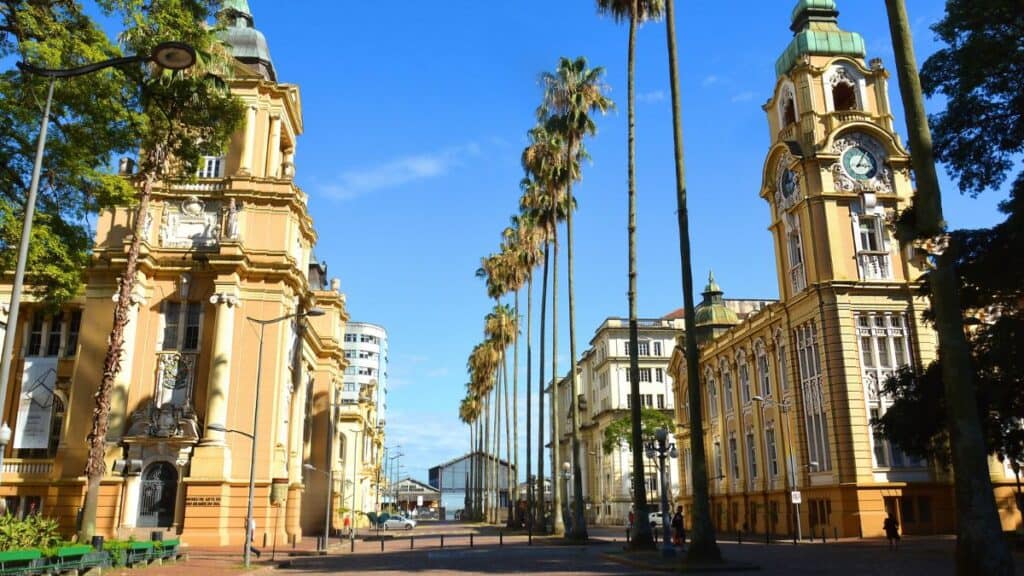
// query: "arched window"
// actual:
[[789, 111], [843, 87], [844, 97], [727, 385]]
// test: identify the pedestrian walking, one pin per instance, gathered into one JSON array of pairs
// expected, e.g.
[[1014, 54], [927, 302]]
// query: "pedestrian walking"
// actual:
[[892, 532], [678, 531], [251, 543], [631, 518]]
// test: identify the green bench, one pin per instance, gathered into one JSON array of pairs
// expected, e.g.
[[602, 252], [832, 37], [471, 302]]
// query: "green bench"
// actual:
[[79, 557], [19, 561], [138, 553], [168, 550]]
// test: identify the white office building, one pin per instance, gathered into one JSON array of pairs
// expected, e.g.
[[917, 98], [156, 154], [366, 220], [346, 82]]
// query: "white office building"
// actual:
[[366, 349]]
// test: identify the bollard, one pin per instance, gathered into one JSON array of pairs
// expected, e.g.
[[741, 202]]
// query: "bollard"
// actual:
[[767, 537], [412, 540], [442, 540], [835, 533], [822, 534], [470, 539], [501, 538], [739, 537], [794, 538], [381, 544], [529, 535], [627, 535], [352, 545]]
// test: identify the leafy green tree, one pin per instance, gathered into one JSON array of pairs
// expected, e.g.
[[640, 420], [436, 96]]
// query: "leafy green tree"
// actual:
[[91, 123], [636, 12], [980, 35], [621, 430], [179, 117]]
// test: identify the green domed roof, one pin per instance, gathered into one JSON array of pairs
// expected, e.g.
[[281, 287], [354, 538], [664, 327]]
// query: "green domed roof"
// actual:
[[816, 32], [713, 311], [247, 44]]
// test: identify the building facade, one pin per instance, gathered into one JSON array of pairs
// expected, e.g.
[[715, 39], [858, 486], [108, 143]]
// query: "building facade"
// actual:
[[219, 252], [454, 479], [366, 350], [788, 393]]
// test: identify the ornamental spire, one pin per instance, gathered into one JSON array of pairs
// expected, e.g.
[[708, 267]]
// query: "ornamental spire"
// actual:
[[816, 32]]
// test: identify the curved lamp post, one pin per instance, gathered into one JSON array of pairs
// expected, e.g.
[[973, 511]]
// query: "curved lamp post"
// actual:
[[249, 520], [170, 55], [662, 449]]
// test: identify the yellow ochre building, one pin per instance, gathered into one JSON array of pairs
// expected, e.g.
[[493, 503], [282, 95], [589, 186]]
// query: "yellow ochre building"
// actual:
[[788, 393], [233, 245]]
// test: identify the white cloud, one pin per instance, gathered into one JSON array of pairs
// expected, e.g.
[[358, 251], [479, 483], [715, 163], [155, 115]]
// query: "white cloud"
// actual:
[[743, 97], [709, 81], [649, 97], [398, 172]]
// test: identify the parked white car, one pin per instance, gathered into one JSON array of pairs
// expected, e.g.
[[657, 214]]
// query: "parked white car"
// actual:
[[398, 523], [655, 519]]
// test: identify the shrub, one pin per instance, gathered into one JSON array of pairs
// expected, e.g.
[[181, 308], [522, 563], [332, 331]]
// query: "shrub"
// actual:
[[33, 532]]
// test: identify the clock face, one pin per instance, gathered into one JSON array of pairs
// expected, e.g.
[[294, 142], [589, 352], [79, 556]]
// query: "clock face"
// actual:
[[859, 163], [788, 183]]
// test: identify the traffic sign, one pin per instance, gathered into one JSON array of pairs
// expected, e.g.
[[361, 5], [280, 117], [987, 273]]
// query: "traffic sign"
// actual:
[[795, 495]]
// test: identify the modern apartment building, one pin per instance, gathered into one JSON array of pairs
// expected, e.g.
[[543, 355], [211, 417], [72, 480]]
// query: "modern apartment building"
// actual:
[[366, 350]]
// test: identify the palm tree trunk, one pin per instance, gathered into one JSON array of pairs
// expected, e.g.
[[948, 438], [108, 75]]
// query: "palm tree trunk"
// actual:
[[508, 443], [487, 451], [95, 467], [579, 525], [515, 405], [556, 414], [981, 548], [529, 401], [542, 524], [499, 381], [703, 546], [641, 537]]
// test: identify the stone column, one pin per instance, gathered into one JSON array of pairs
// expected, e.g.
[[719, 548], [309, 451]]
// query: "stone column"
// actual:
[[219, 382], [274, 150], [248, 142], [288, 168], [130, 513], [119, 410]]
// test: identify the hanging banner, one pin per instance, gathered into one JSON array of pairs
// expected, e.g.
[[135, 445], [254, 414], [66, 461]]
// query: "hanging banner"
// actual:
[[35, 403]]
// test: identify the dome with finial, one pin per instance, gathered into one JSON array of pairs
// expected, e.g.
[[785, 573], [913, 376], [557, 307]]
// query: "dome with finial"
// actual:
[[713, 312], [247, 44], [816, 32]]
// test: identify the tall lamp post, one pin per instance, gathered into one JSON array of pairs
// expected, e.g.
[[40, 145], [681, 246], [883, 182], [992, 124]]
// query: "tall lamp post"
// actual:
[[662, 449], [791, 472], [249, 520], [170, 55]]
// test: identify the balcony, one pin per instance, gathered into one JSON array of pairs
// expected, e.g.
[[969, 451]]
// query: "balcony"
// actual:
[[28, 469], [834, 120], [874, 265]]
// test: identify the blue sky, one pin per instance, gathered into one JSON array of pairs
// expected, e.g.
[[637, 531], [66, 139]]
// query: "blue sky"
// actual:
[[415, 119]]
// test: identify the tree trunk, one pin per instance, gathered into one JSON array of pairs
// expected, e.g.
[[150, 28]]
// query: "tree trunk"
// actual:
[[640, 537], [529, 400], [542, 525], [508, 441], [981, 548], [556, 414], [515, 404], [95, 467], [579, 524], [703, 546]]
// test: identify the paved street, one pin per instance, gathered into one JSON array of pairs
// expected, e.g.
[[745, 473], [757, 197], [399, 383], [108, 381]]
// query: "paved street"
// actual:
[[917, 556]]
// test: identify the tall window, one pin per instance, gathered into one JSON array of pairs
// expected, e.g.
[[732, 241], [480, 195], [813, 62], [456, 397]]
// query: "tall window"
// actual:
[[734, 458], [773, 455], [727, 386], [74, 326], [884, 348], [51, 335], [797, 275], [712, 398], [780, 361], [719, 471], [809, 359], [54, 336], [181, 325], [657, 348], [872, 247], [659, 374], [177, 364], [764, 386], [645, 374], [644, 347], [744, 371], [35, 335], [751, 456], [661, 401]]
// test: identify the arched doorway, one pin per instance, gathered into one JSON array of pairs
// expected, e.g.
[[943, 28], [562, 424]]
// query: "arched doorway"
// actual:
[[158, 495]]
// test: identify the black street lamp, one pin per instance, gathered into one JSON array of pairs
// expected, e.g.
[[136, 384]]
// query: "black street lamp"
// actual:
[[170, 55], [662, 449]]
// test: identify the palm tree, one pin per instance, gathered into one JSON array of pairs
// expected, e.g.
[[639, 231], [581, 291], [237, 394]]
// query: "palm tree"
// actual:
[[526, 250], [637, 12], [500, 330], [469, 414], [703, 545], [482, 365], [543, 160], [981, 548], [571, 95]]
